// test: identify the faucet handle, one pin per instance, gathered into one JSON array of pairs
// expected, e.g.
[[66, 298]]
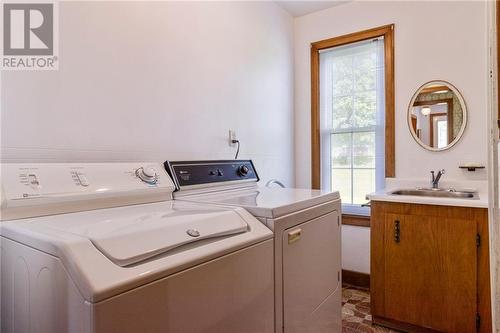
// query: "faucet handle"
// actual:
[[432, 175]]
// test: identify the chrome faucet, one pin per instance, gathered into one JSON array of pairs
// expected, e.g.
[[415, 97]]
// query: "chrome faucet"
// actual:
[[435, 178]]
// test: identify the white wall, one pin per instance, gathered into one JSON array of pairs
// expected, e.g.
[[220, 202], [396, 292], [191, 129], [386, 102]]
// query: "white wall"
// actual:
[[356, 248], [156, 81], [456, 29]]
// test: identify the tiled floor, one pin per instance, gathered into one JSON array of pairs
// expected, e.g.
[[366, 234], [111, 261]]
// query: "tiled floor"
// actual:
[[356, 317]]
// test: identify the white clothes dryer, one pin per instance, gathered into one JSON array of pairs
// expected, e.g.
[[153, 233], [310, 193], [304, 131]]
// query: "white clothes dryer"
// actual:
[[307, 237]]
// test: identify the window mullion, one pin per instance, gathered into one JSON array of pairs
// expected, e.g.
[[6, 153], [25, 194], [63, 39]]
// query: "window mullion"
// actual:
[[355, 130]]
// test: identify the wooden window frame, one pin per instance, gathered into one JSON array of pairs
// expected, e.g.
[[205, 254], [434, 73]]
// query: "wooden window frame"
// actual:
[[387, 32]]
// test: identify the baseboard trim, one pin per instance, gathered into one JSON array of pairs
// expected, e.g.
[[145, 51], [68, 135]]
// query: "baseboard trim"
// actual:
[[356, 279], [400, 326], [356, 220]]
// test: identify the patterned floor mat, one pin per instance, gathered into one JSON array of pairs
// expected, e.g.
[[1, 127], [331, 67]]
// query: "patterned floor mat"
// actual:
[[356, 317]]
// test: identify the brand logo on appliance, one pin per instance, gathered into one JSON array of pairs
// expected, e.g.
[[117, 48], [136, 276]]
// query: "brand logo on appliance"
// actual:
[[30, 36]]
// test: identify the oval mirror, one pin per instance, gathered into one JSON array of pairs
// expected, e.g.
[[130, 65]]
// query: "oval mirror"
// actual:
[[437, 115]]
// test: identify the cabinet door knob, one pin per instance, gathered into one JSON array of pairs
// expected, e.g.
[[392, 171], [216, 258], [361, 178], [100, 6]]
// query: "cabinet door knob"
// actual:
[[397, 231]]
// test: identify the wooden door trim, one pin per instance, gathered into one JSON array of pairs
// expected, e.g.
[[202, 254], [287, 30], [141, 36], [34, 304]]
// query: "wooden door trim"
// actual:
[[483, 272], [497, 15], [428, 90], [387, 32], [449, 108]]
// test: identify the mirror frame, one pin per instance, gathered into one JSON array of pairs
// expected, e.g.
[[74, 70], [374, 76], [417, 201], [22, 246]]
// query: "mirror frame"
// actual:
[[464, 109]]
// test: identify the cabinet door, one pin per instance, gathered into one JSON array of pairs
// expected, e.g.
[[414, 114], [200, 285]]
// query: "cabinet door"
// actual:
[[311, 272], [430, 272]]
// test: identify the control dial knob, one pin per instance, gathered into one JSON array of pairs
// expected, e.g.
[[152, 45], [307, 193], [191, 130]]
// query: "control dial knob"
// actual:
[[243, 170], [147, 175]]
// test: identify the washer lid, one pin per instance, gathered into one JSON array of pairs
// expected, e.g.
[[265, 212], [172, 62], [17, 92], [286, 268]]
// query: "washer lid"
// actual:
[[147, 232], [133, 240]]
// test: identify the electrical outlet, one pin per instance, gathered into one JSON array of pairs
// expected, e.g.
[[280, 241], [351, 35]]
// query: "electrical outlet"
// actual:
[[232, 136]]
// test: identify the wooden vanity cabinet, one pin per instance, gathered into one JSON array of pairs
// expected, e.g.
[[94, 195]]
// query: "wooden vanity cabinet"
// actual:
[[430, 268]]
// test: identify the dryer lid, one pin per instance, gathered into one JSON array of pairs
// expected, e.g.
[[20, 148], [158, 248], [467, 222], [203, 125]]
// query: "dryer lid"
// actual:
[[130, 241], [266, 202]]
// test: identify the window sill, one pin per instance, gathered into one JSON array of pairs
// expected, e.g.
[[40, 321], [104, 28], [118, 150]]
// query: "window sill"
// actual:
[[356, 220]]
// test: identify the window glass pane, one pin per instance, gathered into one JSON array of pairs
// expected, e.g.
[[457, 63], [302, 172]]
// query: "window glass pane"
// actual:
[[363, 184], [342, 112], [341, 150], [365, 107], [342, 75], [341, 181], [363, 150], [364, 71]]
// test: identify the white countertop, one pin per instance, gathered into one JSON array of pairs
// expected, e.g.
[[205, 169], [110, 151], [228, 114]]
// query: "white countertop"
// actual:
[[481, 187]]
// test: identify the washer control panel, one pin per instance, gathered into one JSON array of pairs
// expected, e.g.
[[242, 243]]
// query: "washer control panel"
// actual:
[[191, 174], [85, 184]]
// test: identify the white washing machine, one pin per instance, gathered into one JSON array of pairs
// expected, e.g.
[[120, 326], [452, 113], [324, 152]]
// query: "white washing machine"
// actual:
[[70, 263], [307, 238]]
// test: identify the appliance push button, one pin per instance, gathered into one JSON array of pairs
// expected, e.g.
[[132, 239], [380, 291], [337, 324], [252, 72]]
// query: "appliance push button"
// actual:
[[83, 179], [33, 180]]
